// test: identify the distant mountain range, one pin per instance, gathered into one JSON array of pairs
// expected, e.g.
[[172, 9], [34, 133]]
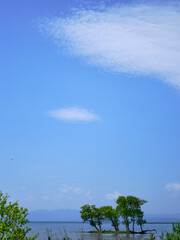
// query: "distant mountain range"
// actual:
[[70, 215]]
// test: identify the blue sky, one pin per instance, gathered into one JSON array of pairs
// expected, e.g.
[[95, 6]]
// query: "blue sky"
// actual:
[[90, 103]]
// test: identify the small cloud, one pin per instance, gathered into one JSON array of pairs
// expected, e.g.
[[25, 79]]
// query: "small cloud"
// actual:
[[173, 186], [74, 114], [58, 199], [88, 195], [77, 190], [65, 189], [29, 198], [113, 195], [45, 197], [23, 188], [68, 190]]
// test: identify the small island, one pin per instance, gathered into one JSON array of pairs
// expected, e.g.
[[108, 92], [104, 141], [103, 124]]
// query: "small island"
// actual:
[[128, 209]]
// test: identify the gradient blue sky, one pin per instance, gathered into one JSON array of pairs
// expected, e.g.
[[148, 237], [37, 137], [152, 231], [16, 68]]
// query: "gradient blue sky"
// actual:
[[90, 103]]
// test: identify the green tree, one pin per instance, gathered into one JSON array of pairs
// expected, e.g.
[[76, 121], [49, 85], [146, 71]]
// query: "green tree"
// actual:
[[93, 215], [134, 205], [113, 215], [13, 220], [140, 219], [130, 210], [123, 209]]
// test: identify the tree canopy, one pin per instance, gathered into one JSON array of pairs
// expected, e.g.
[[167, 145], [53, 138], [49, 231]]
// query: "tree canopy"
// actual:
[[13, 220], [112, 215], [92, 214], [130, 210]]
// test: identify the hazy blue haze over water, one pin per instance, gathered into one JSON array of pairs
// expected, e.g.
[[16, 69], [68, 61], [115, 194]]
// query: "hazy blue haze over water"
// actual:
[[78, 230]]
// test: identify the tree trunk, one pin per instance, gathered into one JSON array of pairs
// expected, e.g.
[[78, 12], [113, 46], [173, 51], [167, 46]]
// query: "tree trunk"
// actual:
[[133, 225], [117, 228], [141, 228], [127, 224], [113, 224], [96, 228], [127, 228]]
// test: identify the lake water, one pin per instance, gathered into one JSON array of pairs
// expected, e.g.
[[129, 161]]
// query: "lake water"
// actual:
[[78, 231]]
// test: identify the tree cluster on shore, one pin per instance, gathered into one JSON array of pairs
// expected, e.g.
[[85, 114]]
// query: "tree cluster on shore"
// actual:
[[128, 209]]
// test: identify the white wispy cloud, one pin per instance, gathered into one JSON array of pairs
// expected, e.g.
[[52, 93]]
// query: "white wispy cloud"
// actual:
[[45, 197], [67, 192], [29, 198], [88, 195], [74, 114], [77, 190], [65, 189], [173, 186], [113, 196], [69, 189], [141, 38]]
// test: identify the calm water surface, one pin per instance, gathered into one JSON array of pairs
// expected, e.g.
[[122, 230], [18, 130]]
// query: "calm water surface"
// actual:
[[76, 230]]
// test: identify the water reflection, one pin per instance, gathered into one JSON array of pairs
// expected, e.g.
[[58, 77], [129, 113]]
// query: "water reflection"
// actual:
[[100, 236]]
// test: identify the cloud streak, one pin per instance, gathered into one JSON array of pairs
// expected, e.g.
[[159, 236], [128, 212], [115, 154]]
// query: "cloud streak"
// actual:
[[137, 39], [66, 191], [113, 196], [173, 186], [74, 114]]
